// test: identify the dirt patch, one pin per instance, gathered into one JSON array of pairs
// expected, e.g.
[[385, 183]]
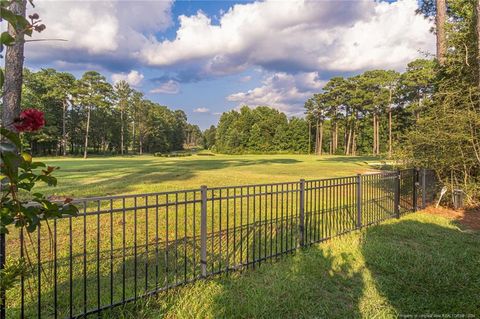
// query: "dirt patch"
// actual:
[[469, 217]]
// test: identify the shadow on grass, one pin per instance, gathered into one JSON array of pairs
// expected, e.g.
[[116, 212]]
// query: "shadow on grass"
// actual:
[[147, 172], [424, 268], [307, 285], [347, 159]]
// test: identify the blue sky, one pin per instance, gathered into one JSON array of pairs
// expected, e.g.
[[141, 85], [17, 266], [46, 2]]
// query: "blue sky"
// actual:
[[207, 57]]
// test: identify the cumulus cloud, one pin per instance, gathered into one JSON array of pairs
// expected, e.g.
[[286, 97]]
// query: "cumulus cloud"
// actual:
[[134, 78], [169, 87], [293, 36], [282, 91], [108, 33], [201, 110]]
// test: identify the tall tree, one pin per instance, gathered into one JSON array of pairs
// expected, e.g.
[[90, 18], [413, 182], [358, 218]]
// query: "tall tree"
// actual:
[[320, 112], [123, 93], [93, 92], [59, 88]]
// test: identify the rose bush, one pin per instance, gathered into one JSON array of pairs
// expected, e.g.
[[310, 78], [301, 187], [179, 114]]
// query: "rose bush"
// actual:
[[19, 206]]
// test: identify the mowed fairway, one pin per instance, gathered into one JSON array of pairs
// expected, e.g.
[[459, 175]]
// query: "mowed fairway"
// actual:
[[102, 176]]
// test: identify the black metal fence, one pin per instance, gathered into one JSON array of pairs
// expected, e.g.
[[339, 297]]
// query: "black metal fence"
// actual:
[[121, 248]]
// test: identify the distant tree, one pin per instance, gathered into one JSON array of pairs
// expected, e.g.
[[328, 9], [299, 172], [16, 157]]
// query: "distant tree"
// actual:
[[123, 93], [210, 137], [93, 92]]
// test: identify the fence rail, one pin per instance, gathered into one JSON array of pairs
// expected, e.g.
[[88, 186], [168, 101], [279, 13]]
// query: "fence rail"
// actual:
[[121, 248]]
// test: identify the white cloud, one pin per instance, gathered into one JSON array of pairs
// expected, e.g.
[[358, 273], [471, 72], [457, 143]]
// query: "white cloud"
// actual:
[[169, 87], [109, 32], [289, 36], [134, 78], [201, 110], [282, 91]]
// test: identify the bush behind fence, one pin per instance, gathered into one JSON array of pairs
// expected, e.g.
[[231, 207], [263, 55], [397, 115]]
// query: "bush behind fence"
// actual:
[[121, 248]]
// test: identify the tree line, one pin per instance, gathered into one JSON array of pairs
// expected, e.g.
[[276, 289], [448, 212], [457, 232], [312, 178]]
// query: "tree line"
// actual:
[[257, 130], [89, 115], [369, 113]]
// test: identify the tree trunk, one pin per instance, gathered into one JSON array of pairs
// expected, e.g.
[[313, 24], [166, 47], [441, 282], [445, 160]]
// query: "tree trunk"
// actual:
[[64, 129], [390, 132], [440, 19], [140, 144], [320, 142], [374, 148], [133, 140], [85, 151], [121, 132], [317, 140], [348, 141], [13, 71], [377, 148], [309, 137], [477, 15], [335, 142]]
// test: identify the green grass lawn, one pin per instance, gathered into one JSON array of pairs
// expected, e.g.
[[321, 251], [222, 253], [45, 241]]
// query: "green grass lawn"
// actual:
[[116, 233], [101, 176], [417, 265]]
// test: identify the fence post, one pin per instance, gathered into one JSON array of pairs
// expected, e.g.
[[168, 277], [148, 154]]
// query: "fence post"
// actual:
[[397, 194], [2, 265], [424, 188], [359, 201], [203, 231], [414, 194], [302, 212]]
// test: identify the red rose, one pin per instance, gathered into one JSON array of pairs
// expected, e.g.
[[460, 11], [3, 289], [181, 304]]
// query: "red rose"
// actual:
[[30, 120]]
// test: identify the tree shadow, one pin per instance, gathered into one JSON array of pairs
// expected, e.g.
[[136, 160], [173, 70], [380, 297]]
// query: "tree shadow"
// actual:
[[146, 171], [347, 159], [423, 268]]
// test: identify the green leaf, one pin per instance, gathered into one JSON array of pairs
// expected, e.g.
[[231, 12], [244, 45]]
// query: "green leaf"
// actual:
[[8, 15], [37, 164], [50, 180], [7, 147], [6, 38], [11, 136]]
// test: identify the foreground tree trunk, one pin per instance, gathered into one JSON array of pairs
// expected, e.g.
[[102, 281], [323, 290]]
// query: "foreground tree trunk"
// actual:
[[441, 14], [13, 70]]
